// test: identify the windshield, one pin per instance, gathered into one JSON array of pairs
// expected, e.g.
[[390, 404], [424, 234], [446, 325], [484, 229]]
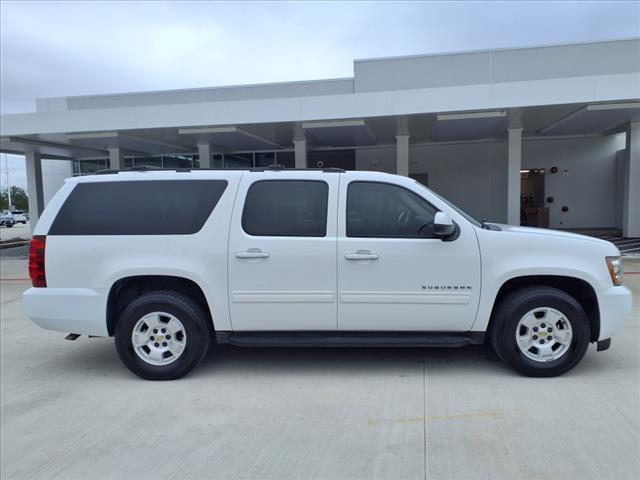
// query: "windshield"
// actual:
[[477, 223]]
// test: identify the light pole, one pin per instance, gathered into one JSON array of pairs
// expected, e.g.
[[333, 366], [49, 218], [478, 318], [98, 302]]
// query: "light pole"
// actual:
[[6, 169]]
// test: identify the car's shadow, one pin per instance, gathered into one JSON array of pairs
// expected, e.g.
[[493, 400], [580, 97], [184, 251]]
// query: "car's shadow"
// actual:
[[282, 361], [361, 360]]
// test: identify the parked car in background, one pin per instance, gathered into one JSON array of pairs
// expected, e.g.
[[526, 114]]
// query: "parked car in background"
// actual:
[[6, 219], [19, 217]]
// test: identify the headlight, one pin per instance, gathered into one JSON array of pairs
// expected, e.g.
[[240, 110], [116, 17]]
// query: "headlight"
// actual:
[[615, 269]]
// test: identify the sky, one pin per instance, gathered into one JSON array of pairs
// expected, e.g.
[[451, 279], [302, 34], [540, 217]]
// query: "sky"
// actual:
[[50, 49]]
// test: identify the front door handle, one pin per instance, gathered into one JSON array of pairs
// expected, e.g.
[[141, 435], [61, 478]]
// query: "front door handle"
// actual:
[[362, 255], [252, 253]]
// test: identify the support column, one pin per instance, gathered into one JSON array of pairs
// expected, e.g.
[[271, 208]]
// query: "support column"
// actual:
[[631, 193], [204, 154], [300, 150], [116, 158], [34, 187], [402, 155], [514, 165]]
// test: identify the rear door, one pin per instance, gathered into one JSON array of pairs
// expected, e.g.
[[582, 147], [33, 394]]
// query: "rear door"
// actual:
[[282, 252]]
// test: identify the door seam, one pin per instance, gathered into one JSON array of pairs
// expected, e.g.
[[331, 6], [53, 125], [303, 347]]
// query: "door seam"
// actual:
[[233, 211], [336, 250]]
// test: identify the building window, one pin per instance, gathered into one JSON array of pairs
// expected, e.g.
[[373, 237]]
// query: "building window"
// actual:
[[265, 159], [239, 160], [178, 161], [218, 160], [89, 167], [151, 162], [344, 158], [286, 208], [286, 159], [163, 161]]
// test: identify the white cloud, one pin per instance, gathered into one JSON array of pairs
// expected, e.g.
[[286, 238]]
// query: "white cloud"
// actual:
[[78, 48], [75, 48]]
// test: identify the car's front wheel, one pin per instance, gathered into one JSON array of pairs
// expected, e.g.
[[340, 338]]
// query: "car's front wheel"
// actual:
[[540, 331], [162, 335]]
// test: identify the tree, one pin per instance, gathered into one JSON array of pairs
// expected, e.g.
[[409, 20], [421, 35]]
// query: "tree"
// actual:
[[19, 199]]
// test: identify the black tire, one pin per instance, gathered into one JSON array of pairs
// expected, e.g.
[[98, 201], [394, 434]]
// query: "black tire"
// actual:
[[513, 307], [196, 324]]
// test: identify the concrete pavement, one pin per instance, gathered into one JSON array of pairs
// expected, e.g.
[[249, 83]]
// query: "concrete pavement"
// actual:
[[70, 410], [17, 231]]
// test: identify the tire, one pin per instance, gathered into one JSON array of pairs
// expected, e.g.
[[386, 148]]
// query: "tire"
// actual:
[[527, 309], [163, 307]]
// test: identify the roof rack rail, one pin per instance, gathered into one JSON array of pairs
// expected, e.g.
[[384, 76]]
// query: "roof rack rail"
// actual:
[[143, 168], [279, 168], [274, 168]]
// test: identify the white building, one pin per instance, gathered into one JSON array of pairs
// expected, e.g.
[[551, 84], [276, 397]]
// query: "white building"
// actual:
[[554, 127]]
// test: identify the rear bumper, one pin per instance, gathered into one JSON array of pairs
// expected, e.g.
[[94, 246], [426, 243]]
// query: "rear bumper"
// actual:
[[615, 304], [69, 310]]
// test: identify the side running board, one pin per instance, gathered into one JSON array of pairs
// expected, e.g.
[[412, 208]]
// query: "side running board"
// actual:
[[350, 339]]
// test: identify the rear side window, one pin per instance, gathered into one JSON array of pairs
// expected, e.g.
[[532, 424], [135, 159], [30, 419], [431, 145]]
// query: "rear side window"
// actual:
[[158, 207], [286, 208]]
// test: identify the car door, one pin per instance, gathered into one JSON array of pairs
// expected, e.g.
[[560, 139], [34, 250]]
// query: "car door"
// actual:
[[282, 252], [393, 273]]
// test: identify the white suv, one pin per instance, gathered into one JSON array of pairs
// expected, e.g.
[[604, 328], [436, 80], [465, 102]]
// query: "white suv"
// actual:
[[19, 217], [310, 258]]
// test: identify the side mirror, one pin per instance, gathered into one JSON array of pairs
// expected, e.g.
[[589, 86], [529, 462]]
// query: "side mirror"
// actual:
[[443, 226]]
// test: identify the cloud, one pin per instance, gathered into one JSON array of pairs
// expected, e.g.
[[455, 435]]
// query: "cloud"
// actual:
[[50, 49], [78, 48]]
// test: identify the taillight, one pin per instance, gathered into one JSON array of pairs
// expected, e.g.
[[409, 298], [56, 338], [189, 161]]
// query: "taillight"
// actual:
[[36, 261]]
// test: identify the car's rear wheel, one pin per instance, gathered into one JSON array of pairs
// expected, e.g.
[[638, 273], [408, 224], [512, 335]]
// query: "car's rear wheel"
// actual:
[[162, 335], [540, 331]]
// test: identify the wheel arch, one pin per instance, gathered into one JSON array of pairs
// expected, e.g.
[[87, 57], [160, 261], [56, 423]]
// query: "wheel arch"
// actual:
[[126, 289], [579, 289]]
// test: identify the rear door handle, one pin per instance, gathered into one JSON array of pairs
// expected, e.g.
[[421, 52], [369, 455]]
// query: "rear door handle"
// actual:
[[362, 255], [252, 253]]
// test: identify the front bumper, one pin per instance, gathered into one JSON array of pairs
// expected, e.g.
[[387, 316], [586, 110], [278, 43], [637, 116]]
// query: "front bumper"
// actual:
[[615, 304], [70, 310]]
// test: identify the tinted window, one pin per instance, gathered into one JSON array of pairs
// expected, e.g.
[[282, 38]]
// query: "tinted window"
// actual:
[[386, 210], [159, 207], [286, 208]]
